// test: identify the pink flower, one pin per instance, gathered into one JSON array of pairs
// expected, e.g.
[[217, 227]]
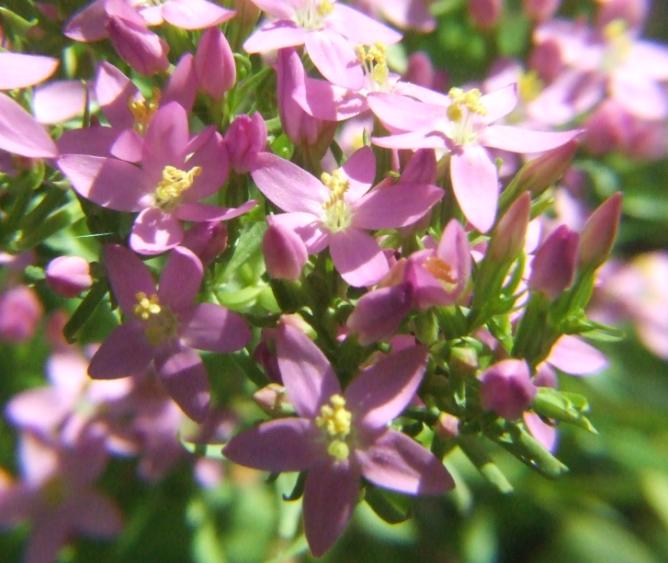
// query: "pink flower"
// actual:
[[20, 70], [464, 126], [176, 172], [506, 388], [164, 325], [20, 313], [337, 210], [341, 437], [329, 30], [21, 134], [68, 275]]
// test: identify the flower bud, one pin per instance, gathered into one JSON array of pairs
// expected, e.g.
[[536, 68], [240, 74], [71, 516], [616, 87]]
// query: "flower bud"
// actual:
[[485, 13], [379, 313], [632, 12], [506, 388], [142, 49], [284, 252], [421, 71], [553, 266], [540, 10], [599, 232], [246, 137], [540, 173], [20, 312], [68, 275], [214, 64], [207, 239], [274, 400], [447, 426], [510, 232]]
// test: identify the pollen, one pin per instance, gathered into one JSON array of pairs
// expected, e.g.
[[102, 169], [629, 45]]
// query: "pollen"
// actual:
[[374, 62], [334, 418], [160, 323], [312, 15], [442, 271], [142, 110], [337, 214], [464, 103], [174, 183]]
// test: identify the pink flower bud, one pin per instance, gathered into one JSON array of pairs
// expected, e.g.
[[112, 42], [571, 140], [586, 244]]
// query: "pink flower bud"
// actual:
[[245, 138], [542, 172], [541, 10], [214, 64], [506, 388], [485, 13], [607, 129], [284, 252], [20, 312], [447, 426], [546, 60], [142, 49], [510, 232], [68, 275], [207, 240], [421, 71], [599, 232], [553, 266]]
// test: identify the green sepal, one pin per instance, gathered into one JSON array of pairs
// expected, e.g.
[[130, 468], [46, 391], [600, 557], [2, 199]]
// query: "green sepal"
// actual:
[[390, 507], [85, 310], [564, 406]]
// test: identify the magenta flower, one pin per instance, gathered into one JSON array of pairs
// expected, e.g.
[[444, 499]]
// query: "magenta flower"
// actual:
[[164, 325], [337, 210], [20, 70], [176, 172], [329, 30], [21, 134], [465, 126], [340, 438]]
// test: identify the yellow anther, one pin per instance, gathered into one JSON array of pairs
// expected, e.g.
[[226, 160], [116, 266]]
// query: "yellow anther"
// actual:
[[160, 324], [142, 110], [337, 216], [325, 7], [442, 271], [146, 306], [619, 44], [374, 62], [334, 418], [174, 182], [615, 29], [469, 101], [530, 86]]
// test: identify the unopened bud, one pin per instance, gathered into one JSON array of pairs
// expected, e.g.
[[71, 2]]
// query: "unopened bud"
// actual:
[[246, 137], [540, 173], [599, 232], [553, 266], [20, 311], [68, 275], [447, 426], [284, 252], [207, 239], [540, 10], [214, 64], [142, 49], [273, 400], [510, 232], [485, 13], [463, 360], [507, 389]]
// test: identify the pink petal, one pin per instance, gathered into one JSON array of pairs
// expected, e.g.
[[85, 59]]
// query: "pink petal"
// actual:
[[395, 206], [182, 85], [20, 70], [184, 376], [307, 227], [525, 141], [127, 146], [212, 157], [426, 138], [124, 352], [180, 279], [381, 392], [360, 170], [360, 28], [109, 182], [650, 59], [454, 249], [96, 515], [94, 141], [335, 58], [545, 433], [59, 101], [166, 139], [155, 232], [288, 186], [306, 373], [403, 113], [89, 24], [499, 103], [127, 275], [573, 355], [275, 35], [194, 14], [421, 168], [113, 91], [476, 185], [21, 134], [286, 444], [202, 212], [397, 462], [278, 9], [40, 410], [357, 257], [330, 495], [214, 328], [639, 95], [328, 102]]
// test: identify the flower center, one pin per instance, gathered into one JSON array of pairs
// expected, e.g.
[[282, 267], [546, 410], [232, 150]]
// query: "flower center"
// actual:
[[335, 421], [618, 44], [374, 62], [529, 86], [442, 271], [313, 14], [337, 215], [462, 111], [160, 323], [142, 110], [174, 182]]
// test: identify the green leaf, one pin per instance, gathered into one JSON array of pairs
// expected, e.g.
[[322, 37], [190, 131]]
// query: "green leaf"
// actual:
[[390, 507], [85, 310], [248, 245], [560, 405]]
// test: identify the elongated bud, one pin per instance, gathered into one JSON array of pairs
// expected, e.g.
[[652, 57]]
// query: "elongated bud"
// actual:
[[540, 10], [20, 312], [485, 13], [142, 49], [542, 172], [68, 275], [510, 232], [506, 388], [599, 232], [214, 64], [284, 252], [246, 137], [206, 239], [553, 266]]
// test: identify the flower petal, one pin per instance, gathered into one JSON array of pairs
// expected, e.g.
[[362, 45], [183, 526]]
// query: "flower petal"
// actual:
[[166, 139], [639, 95], [96, 515], [425, 138], [214, 328], [194, 14], [306, 373], [357, 257], [379, 393], [184, 376], [89, 24], [545, 433], [525, 141], [180, 279], [476, 185], [307, 227], [335, 58], [19, 70], [113, 91], [330, 496], [360, 28], [127, 275], [201, 212], [275, 35], [379, 313], [360, 170], [59, 101], [397, 462], [573, 355], [403, 113], [125, 352], [155, 232], [499, 103], [47, 536], [21, 134], [286, 444]]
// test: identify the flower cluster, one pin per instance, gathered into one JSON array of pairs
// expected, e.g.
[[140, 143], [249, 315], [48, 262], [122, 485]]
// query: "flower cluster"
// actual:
[[369, 254]]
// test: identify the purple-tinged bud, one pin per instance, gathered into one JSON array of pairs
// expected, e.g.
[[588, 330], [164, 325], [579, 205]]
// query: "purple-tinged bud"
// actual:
[[540, 10], [379, 313], [214, 64], [540, 173], [142, 49], [284, 252], [546, 60], [207, 239], [273, 400], [20, 312], [421, 71], [545, 376], [553, 266], [510, 233], [607, 128], [447, 426], [265, 354], [599, 232], [246, 137], [485, 13], [68, 275], [506, 388]]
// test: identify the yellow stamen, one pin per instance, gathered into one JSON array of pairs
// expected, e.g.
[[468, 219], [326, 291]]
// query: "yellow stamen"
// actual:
[[174, 182], [374, 62], [142, 110], [325, 7], [469, 101], [337, 212], [530, 86], [442, 271], [160, 324], [336, 421]]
